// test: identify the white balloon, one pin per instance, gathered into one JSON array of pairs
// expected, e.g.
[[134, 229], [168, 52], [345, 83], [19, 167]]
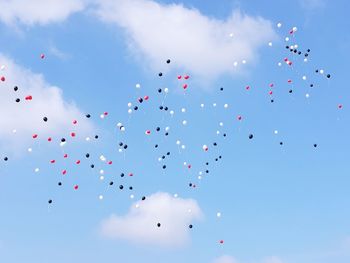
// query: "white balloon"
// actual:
[[172, 112], [102, 177], [119, 124], [183, 146], [129, 111], [287, 39], [199, 177], [235, 64], [2, 67], [129, 105], [178, 142], [184, 122], [218, 214], [100, 197], [214, 104], [276, 132], [202, 105], [295, 29], [205, 147], [304, 77], [120, 150], [244, 61], [87, 139], [183, 110], [167, 128], [321, 71], [138, 86], [279, 25], [30, 150], [102, 116], [226, 106], [122, 129], [102, 171], [307, 95], [270, 44], [279, 64], [132, 196], [166, 90], [36, 170], [221, 124]]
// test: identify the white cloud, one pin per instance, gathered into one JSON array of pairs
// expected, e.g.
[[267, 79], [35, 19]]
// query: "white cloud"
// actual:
[[26, 117], [139, 225], [38, 11], [272, 259], [196, 43], [225, 259], [230, 259]]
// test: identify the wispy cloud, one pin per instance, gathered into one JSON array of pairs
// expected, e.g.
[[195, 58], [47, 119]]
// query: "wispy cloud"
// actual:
[[38, 11], [312, 5]]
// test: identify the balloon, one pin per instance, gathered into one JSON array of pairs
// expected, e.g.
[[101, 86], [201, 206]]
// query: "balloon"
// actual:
[[138, 86], [18, 100], [160, 74], [251, 136], [15, 88], [42, 56], [76, 187], [2, 78], [168, 61], [205, 147], [158, 225]]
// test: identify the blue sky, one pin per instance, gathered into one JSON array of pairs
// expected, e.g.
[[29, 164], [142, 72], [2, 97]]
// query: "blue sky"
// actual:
[[279, 204]]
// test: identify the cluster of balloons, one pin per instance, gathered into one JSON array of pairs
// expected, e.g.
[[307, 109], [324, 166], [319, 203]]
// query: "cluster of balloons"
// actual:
[[122, 146]]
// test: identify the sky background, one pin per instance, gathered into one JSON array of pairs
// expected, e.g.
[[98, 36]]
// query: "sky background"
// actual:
[[279, 204]]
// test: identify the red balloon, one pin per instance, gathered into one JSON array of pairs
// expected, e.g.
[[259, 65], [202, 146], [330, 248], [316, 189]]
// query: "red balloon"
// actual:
[[3, 78], [146, 97], [65, 155], [52, 161], [186, 77], [64, 172], [184, 86], [72, 134], [42, 56], [29, 97], [179, 77], [77, 162], [35, 136], [75, 122], [76, 187]]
